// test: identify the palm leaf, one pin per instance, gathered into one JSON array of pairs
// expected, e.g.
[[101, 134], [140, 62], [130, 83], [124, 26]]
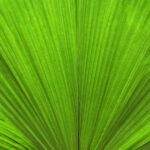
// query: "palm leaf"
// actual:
[[74, 74]]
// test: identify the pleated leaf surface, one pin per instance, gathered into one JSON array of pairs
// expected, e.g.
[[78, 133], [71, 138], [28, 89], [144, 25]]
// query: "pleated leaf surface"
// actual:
[[74, 74]]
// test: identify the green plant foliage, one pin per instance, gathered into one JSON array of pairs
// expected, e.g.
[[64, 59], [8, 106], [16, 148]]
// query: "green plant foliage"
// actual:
[[74, 74]]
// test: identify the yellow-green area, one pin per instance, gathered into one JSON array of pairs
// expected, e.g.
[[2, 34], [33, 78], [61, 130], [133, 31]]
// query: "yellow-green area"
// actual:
[[74, 74]]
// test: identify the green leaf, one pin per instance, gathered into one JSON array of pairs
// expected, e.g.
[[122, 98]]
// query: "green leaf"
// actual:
[[74, 74]]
